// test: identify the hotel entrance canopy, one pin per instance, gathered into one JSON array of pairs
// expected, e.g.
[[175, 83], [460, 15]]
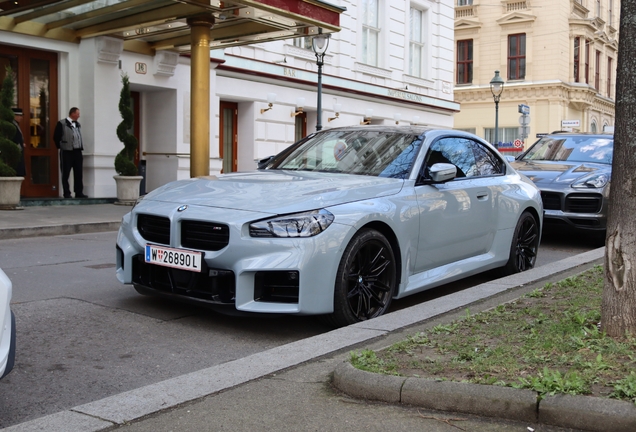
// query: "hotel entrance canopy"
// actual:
[[147, 26], [191, 27]]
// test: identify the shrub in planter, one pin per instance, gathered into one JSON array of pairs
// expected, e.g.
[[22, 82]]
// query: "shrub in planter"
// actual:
[[124, 161], [10, 152]]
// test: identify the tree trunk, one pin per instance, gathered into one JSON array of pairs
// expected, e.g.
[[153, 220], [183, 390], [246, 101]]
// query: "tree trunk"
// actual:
[[618, 310]]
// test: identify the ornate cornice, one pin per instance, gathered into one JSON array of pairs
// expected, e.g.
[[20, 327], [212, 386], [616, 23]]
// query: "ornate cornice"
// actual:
[[579, 97]]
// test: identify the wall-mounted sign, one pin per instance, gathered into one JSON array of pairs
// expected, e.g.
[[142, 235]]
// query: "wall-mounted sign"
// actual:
[[570, 123], [141, 68]]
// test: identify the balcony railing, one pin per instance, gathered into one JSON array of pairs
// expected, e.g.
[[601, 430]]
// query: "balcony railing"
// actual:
[[465, 11], [513, 5]]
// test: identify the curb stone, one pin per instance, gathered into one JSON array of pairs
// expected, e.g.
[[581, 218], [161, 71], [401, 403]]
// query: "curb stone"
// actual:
[[54, 230], [477, 399], [576, 412], [589, 413]]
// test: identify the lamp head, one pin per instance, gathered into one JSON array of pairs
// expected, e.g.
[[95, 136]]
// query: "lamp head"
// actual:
[[496, 85], [320, 42]]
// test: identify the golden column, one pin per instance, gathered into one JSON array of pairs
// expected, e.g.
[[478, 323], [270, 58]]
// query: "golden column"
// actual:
[[200, 26]]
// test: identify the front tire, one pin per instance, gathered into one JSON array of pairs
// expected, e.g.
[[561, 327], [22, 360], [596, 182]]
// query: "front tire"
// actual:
[[365, 281], [524, 246]]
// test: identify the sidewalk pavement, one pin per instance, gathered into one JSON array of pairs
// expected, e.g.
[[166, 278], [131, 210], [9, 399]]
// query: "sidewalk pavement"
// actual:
[[291, 387], [47, 220]]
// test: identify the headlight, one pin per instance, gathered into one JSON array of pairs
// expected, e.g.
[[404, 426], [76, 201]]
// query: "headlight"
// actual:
[[307, 224], [594, 181]]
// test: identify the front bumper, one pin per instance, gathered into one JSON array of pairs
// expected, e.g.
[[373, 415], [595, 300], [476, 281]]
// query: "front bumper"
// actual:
[[261, 275], [575, 208]]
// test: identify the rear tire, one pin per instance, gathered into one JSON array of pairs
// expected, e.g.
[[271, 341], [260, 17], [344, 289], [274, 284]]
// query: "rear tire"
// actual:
[[365, 281], [524, 246]]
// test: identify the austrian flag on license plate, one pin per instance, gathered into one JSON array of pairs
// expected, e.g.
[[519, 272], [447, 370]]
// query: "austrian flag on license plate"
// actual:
[[176, 258]]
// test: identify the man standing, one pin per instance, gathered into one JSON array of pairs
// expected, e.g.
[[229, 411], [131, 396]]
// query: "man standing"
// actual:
[[18, 138], [68, 139]]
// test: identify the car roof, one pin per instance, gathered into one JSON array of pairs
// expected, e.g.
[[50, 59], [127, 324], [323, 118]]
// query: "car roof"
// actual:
[[566, 133], [385, 128], [404, 129]]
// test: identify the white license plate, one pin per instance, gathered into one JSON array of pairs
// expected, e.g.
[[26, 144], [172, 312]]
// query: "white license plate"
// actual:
[[176, 258]]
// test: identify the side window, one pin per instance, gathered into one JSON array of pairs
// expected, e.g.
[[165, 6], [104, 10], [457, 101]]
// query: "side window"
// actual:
[[454, 150], [487, 162]]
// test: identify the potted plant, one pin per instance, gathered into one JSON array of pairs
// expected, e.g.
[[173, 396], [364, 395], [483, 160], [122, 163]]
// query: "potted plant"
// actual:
[[10, 152], [127, 177]]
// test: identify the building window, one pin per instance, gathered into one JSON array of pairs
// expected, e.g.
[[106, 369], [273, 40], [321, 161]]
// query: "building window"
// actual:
[[303, 42], [597, 71], [593, 127], [464, 2], [587, 62], [609, 77], [577, 58], [506, 135], [370, 32], [610, 11], [416, 42], [516, 56], [465, 61]]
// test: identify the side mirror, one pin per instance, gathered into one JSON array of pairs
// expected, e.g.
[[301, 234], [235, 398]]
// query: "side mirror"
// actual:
[[442, 172], [510, 158]]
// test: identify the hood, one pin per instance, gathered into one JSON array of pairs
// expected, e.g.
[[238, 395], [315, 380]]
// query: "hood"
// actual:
[[548, 173], [275, 192]]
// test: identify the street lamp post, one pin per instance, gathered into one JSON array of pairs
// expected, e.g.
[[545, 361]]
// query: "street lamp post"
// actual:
[[319, 43], [496, 88]]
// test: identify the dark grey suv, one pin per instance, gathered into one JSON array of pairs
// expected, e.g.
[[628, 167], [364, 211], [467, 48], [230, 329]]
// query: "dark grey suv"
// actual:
[[573, 172]]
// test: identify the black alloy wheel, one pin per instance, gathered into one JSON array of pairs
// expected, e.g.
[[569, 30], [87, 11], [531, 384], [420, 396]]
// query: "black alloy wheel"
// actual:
[[525, 243], [366, 280]]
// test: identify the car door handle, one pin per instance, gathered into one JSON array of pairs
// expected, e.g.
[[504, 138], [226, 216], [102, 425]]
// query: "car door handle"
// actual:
[[482, 196]]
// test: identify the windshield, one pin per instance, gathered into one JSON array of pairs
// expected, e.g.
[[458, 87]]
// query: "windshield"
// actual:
[[572, 149], [372, 153]]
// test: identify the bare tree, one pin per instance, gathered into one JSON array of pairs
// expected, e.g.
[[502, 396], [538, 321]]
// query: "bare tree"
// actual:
[[618, 310]]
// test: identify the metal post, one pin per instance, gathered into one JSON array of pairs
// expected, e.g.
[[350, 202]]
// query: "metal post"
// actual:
[[496, 88], [496, 122], [319, 102], [319, 43]]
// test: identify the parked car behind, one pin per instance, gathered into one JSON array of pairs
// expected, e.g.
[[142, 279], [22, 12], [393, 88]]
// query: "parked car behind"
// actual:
[[337, 225], [7, 331], [573, 172]]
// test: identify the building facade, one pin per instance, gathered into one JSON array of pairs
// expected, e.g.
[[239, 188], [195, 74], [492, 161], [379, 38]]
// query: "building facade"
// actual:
[[389, 62], [557, 58]]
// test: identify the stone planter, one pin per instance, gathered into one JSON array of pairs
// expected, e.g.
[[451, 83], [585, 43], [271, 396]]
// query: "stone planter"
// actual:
[[10, 193], [127, 189]]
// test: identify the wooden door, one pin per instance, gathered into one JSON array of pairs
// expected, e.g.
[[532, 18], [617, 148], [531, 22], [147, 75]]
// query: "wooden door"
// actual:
[[35, 76], [228, 135], [300, 130]]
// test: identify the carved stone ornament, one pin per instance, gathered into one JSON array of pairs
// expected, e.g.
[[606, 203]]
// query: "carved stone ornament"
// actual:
[[165, 63], [109, 49]]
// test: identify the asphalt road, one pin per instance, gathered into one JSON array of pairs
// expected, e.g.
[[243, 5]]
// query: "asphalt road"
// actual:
[[82, 336]]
